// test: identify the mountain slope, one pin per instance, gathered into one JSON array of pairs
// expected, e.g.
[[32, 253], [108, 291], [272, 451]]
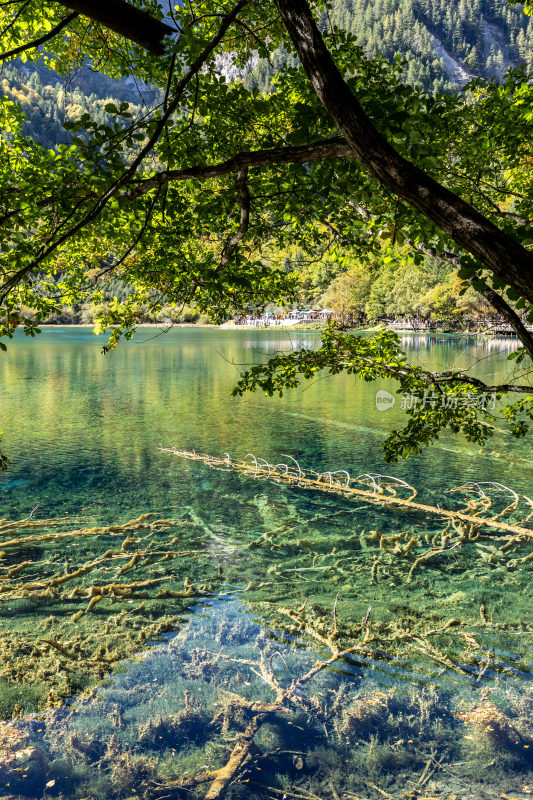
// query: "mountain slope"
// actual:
[[445, 42]]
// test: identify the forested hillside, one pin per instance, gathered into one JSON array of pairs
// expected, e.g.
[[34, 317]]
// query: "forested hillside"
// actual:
[[445, 42], [48, 100], [482, 37]]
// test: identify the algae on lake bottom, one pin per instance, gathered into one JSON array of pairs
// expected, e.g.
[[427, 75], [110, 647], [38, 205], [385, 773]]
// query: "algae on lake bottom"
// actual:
[[328, 667], [77, 600], [172, 724]]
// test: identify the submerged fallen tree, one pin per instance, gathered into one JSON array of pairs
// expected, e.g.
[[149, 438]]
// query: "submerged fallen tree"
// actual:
[[384, 490]]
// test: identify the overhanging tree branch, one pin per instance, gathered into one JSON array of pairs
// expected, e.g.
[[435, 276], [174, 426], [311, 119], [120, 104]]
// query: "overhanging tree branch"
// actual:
[[443, 378], [497, 251], [510, 315], [132, 23], [328, 148], [516, 218], [368, 358], [12, 22], [244, 199], [133, 245], [496, 300]]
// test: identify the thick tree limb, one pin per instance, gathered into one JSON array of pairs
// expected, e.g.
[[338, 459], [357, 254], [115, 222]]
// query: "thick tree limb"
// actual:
[[132, 23], [497, 251], [225, 774], [41, 40], [527, 223], [327, 148], [510, 315]]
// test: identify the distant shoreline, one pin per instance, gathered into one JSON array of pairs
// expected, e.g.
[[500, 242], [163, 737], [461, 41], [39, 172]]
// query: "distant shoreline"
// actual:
[[314, 327]]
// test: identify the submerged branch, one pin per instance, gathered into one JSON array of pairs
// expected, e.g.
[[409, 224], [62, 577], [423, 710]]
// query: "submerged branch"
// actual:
[[384, 490]]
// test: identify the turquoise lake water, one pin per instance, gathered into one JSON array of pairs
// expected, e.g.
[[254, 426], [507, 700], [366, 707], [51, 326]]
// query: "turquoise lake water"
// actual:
[[417, 709], [82, 429]]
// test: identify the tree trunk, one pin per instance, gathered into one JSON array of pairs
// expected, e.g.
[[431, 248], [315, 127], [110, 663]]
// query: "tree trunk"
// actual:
[[497, 251]]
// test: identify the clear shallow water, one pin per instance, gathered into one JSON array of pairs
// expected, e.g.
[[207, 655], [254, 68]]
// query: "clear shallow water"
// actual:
[[83, 431]]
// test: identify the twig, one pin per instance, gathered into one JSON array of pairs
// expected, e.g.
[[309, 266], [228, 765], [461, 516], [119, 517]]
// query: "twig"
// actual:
[[41, 40]]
